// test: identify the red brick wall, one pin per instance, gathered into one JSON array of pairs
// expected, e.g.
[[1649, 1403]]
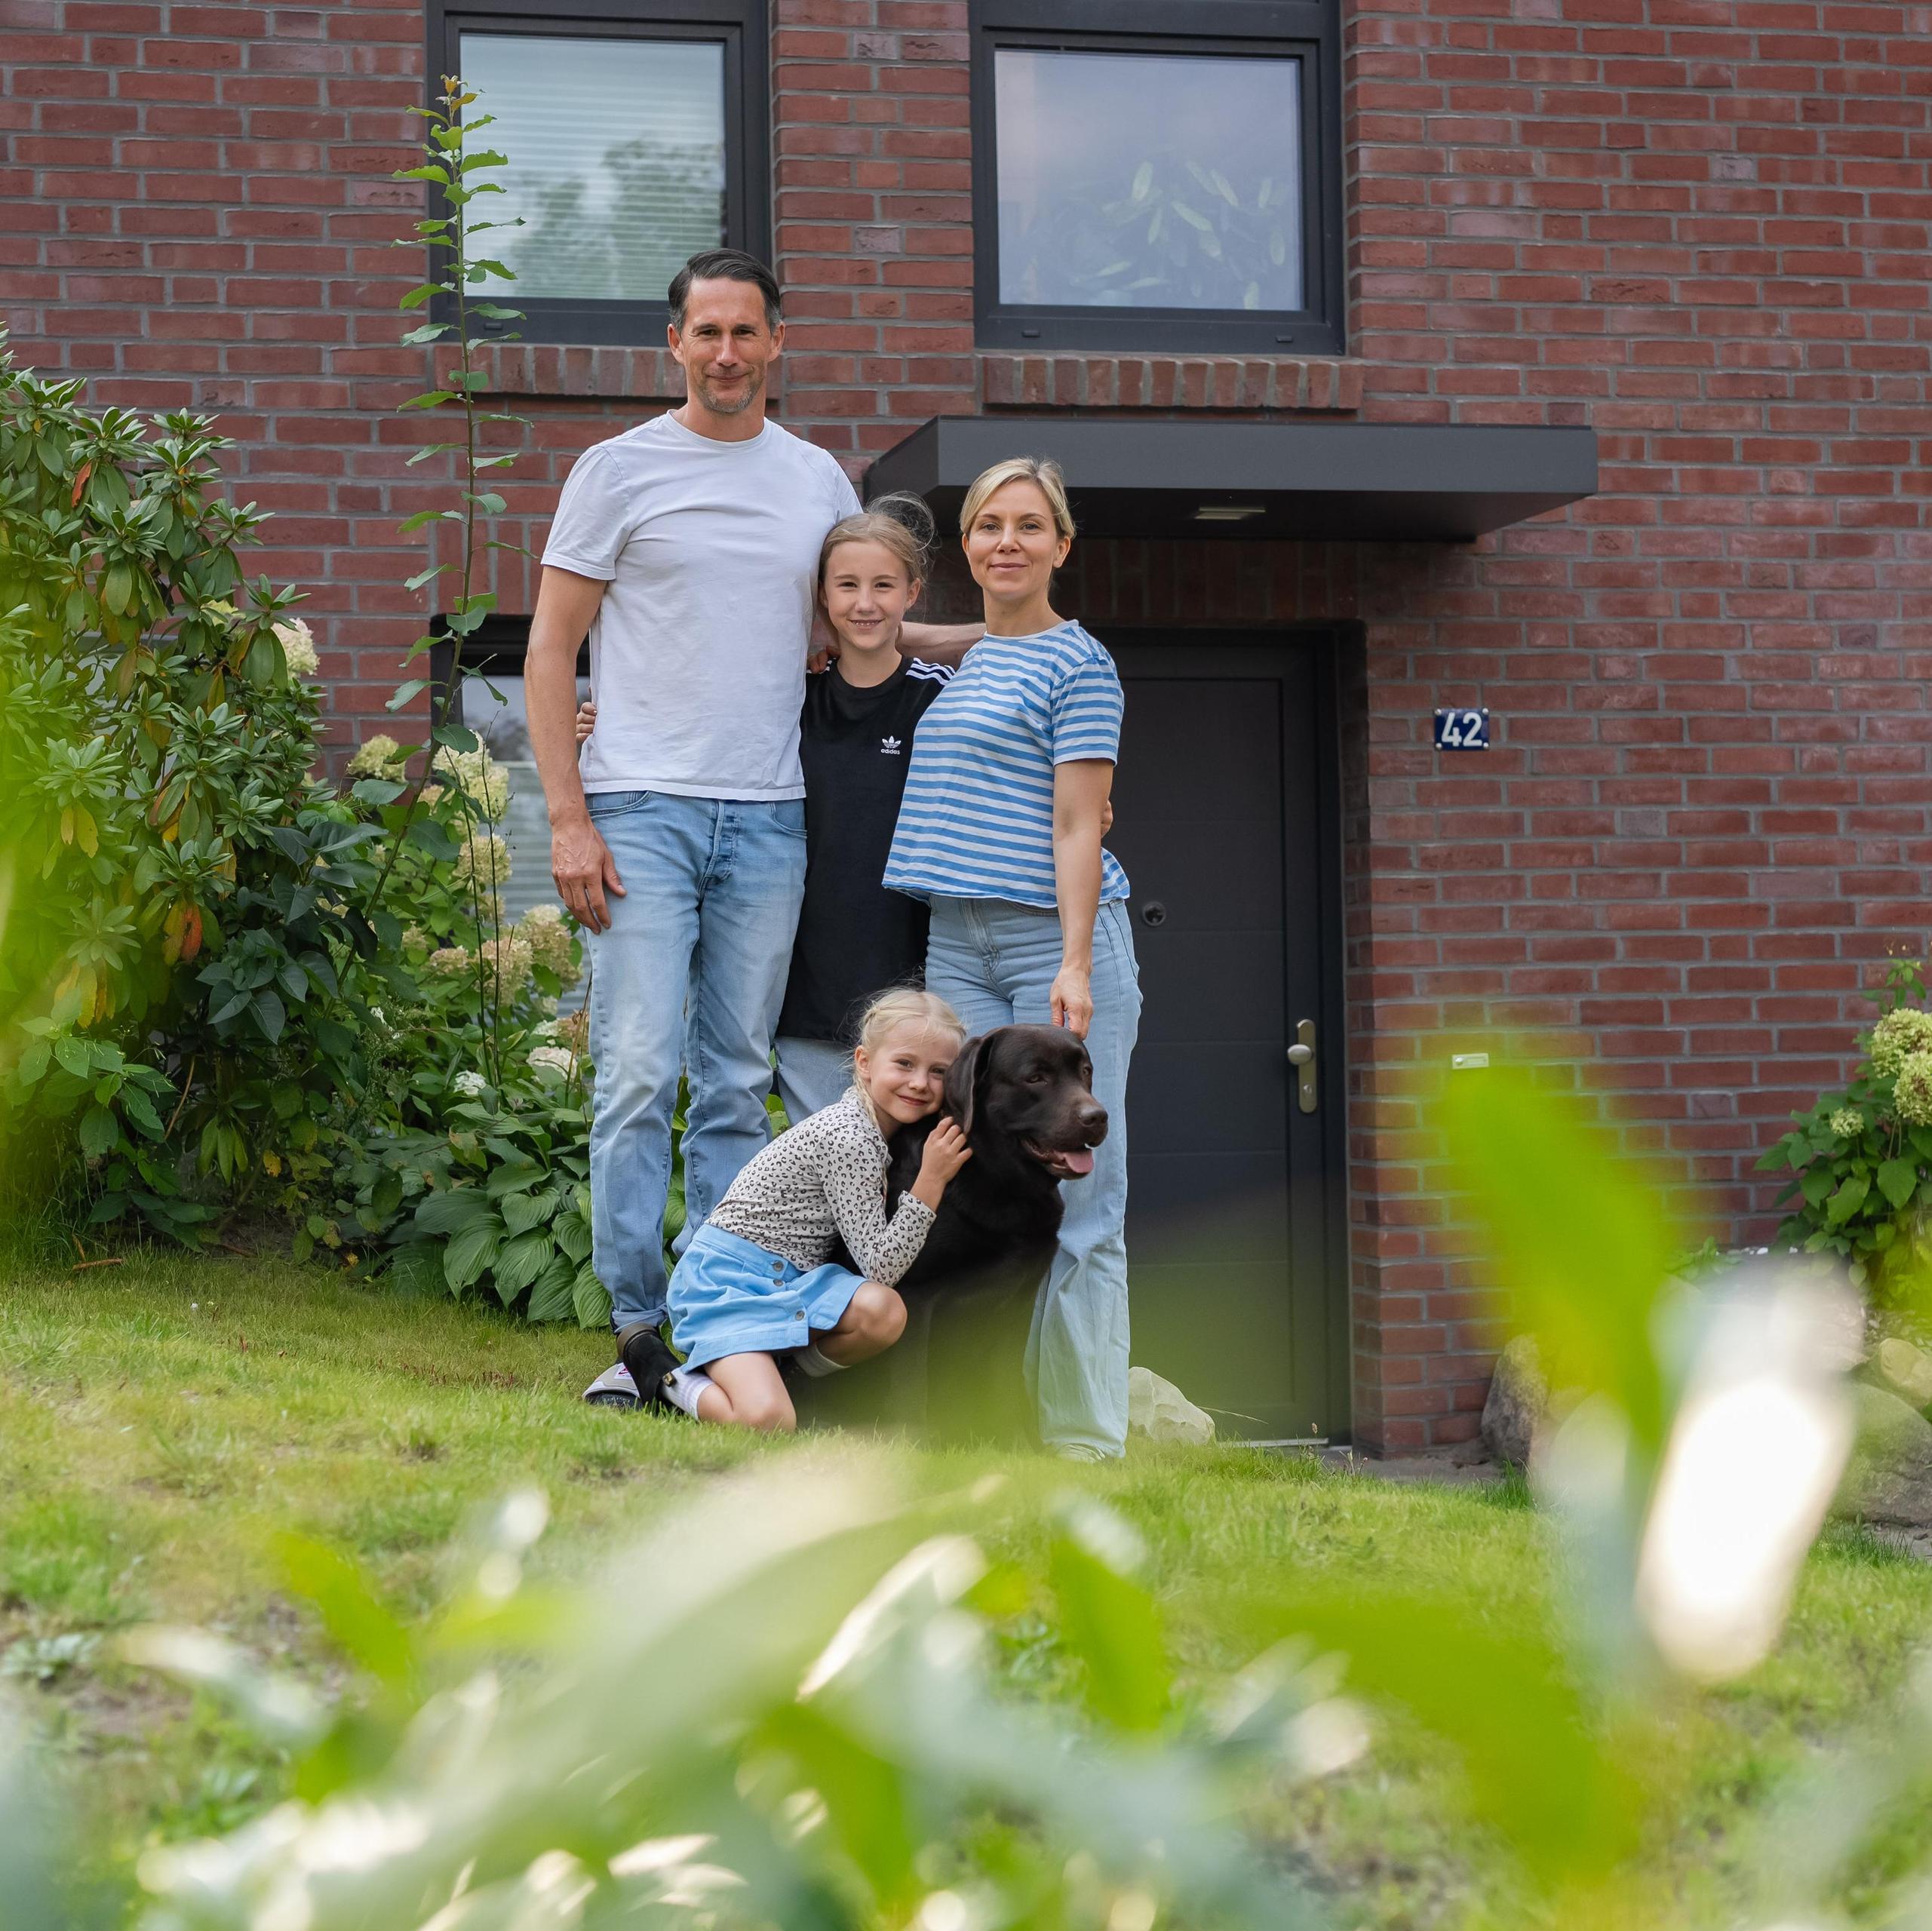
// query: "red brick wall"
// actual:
[[1701, 225]]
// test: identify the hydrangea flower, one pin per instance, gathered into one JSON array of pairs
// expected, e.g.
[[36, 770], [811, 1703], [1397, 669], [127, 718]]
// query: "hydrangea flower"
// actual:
[[573, 1030], [378, 757], [543, 929], [506, 966], [1848, 1123], [449, 962], [470, 1084], [484, 860], [1912, 1094], [1903, 1031], [298, 648], [557, 1059], [482, 780]]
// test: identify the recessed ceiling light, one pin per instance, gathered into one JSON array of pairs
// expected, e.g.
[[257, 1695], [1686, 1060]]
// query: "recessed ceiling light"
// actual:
[[1228, 512]]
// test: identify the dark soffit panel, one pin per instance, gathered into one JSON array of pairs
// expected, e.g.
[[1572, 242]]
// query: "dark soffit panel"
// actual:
[[1370, 482]]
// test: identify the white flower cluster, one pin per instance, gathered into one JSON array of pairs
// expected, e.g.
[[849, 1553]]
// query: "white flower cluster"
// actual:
[[542, 929], [1848, 1122], [1912, 1093], [553, 1059], [484, 860], [1903, 1031], [506, 966], [298, 648], [449, 962], [480, 779], [470, 1084], [378, 757]]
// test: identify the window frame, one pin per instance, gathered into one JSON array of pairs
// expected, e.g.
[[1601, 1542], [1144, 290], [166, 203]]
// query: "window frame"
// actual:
[[1309, 30], [742, 26]]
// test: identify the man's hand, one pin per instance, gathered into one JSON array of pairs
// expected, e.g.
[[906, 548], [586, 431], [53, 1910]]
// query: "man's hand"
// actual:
[[580, 864], [587, 724]]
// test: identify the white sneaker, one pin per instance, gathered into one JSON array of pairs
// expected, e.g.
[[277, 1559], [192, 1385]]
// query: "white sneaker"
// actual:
[[1076, 1451], [614, 1389]]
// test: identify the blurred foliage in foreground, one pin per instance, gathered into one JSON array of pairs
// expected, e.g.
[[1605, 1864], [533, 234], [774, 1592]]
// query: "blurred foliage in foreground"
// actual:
[[778, 1709]]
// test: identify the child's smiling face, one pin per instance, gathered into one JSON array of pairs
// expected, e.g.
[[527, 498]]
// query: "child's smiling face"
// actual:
[[868, 593], [904, 1075]]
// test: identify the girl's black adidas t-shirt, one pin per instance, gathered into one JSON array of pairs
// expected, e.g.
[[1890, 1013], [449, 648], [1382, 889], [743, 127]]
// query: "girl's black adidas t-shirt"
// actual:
[[854, 937]]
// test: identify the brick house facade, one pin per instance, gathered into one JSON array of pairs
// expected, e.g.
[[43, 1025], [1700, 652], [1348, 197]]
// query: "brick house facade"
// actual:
[[1699, 227]]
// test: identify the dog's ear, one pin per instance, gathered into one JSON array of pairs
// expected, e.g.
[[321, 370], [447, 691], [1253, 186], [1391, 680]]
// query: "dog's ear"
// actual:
[[964, 1078]]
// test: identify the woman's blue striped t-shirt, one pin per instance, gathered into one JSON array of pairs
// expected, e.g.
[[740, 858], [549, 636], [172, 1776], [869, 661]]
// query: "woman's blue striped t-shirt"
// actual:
[[977, 820]]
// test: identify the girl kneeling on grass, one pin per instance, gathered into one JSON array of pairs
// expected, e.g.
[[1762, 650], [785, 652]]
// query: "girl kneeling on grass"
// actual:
[[755, 1282]]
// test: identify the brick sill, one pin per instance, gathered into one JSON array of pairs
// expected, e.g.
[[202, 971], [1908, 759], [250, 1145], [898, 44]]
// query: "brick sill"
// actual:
[[536, 369], [1328, 384]]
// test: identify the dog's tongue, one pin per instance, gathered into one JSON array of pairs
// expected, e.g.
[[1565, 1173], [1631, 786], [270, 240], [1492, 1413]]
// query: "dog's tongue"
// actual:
[[1079, 1160]]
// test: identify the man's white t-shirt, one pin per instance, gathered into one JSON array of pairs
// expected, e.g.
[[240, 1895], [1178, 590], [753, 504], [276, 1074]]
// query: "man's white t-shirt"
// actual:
[[711, 550]]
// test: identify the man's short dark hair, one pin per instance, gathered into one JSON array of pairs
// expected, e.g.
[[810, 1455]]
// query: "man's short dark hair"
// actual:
[[725, 264]]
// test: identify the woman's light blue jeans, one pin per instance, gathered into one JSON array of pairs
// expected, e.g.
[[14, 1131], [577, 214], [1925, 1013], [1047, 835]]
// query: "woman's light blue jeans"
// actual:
[[993, 963], [690, 973]]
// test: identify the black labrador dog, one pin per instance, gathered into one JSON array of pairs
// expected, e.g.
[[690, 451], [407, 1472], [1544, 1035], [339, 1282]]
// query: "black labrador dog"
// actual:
[[1023, 1096]]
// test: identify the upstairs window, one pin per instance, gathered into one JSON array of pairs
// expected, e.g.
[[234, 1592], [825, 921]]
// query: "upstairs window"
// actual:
[[634, 139], [1175, 189]]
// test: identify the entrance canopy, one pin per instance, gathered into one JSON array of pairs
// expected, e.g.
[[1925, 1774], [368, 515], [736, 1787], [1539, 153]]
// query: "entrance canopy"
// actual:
[[1376, 482]]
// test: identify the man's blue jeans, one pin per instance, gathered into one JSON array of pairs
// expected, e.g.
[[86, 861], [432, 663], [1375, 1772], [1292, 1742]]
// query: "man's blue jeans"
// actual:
[[993, 963], [692, 969]]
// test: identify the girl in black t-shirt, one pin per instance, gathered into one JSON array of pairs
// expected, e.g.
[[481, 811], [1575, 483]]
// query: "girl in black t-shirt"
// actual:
[[854, 937]]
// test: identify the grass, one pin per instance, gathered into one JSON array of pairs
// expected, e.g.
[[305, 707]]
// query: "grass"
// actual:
[[160, 1421]]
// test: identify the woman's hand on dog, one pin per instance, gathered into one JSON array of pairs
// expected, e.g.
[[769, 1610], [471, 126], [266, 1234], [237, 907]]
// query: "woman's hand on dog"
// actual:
[[946, 1152]]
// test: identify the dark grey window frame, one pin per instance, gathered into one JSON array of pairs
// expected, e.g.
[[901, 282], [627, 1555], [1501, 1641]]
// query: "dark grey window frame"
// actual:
[[1310, 30], [742, 26]]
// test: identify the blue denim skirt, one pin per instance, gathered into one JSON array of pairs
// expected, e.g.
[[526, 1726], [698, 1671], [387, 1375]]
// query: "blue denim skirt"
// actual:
[[729, 1296]]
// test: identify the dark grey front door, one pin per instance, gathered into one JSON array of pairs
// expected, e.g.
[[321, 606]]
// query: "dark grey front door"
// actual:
[[1226, 802]]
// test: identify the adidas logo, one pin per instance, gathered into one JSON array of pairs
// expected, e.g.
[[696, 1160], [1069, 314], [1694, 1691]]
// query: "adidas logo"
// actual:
[[888, 748]]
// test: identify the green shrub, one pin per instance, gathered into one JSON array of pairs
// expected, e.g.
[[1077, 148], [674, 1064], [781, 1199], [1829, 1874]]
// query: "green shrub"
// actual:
[[1861, 1158], [184, 986]]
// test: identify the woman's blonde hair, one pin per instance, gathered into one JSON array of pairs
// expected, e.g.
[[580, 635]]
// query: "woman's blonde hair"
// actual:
[[899, 1004], [901, 522], [1040, 470]]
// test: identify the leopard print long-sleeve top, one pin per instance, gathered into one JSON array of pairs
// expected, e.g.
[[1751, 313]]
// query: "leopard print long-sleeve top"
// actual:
[[825, 1179]]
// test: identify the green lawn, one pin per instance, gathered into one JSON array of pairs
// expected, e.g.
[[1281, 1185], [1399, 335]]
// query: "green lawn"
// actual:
[[159, 1420]]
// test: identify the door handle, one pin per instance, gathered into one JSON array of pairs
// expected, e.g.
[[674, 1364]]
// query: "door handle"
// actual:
[[1301, 1057]]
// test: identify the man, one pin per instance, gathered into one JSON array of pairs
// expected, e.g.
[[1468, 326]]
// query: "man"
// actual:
[[686, 549]]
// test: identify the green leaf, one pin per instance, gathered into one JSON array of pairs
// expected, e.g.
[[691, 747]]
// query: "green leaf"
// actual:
[[1578, 1236], [550, 1292], [471, 1253], [270, 1015], [1898, 1180], [1108, 1620], [1847, 1201], [74, 1057], [454, 1211], [521, 1261], [377, 791], [588, 1297], [572, 1233], [407, 693], [33, 1062], [343, 1598], [100, 1132], [517, 1177], [1814, 1183], [427, 332], [522, 1212]]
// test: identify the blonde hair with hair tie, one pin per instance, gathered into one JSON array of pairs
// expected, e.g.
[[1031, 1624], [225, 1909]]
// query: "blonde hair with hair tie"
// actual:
[[900, 522]]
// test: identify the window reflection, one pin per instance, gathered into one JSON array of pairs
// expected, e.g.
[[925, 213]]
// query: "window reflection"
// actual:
[[1148, 180], [616, 154]]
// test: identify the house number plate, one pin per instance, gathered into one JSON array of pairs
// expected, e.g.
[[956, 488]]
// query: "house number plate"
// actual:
[[1462, 730]]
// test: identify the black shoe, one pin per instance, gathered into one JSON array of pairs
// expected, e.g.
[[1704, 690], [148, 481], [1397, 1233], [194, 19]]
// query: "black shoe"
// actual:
[[647, 1354]]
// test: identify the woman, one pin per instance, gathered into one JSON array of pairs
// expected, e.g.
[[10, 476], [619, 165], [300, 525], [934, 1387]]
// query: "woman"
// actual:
[[1000, 831]]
